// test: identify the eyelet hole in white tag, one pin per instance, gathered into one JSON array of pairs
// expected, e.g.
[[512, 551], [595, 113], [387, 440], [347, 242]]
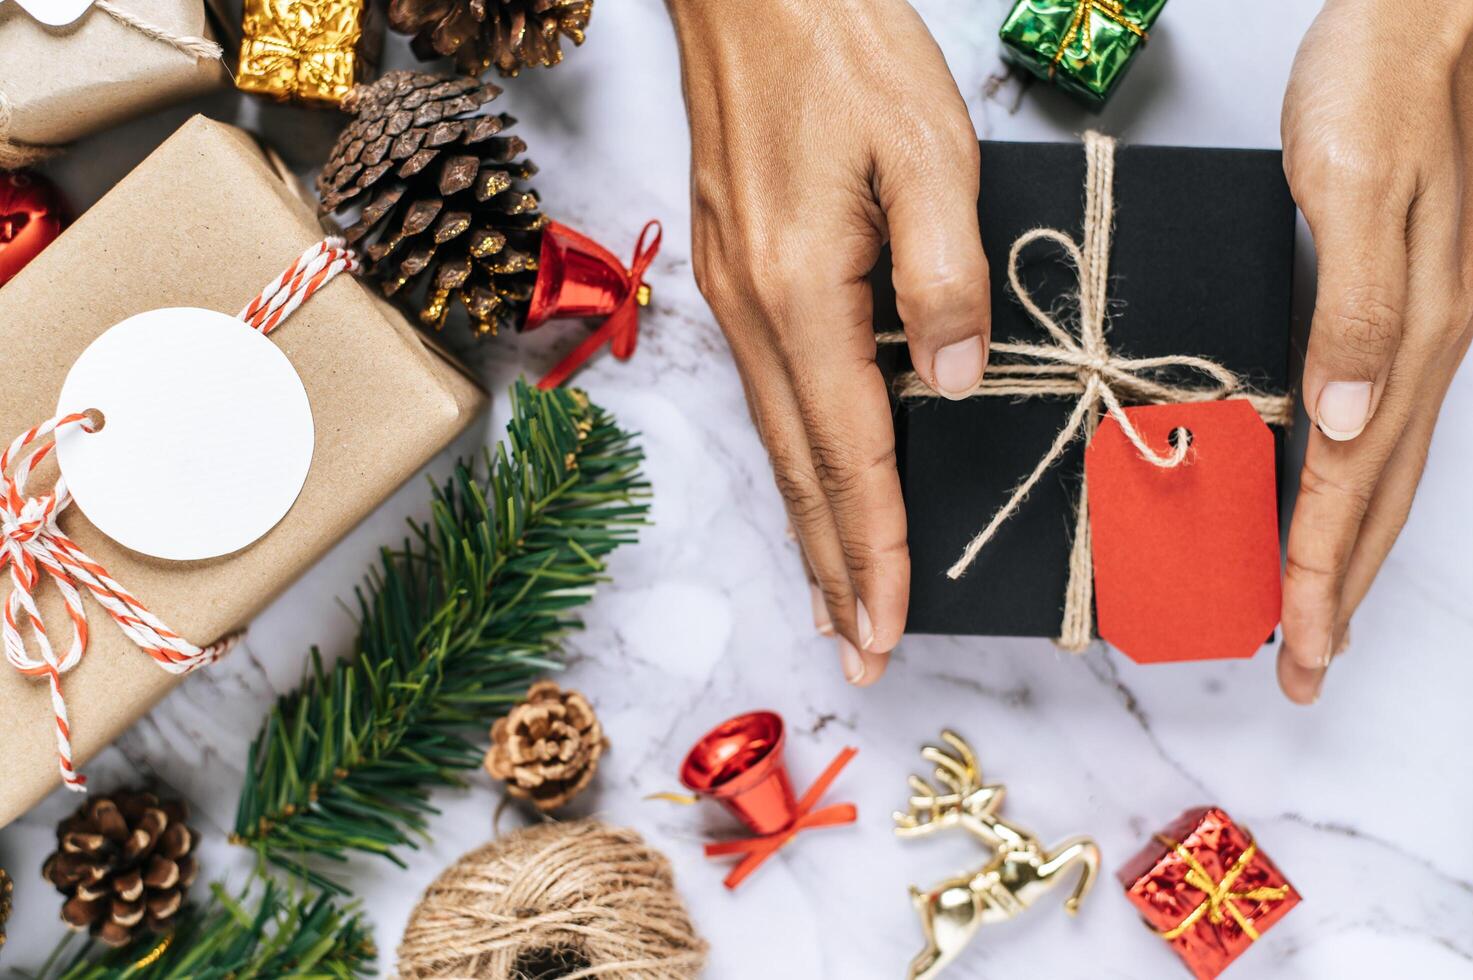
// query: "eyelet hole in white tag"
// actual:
[[205, 439]]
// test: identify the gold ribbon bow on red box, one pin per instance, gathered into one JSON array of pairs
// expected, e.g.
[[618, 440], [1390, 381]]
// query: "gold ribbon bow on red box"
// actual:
[[1219, 899]]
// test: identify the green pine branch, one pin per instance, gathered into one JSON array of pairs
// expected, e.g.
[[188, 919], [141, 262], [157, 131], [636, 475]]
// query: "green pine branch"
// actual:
[[454, 626], [259, 933]]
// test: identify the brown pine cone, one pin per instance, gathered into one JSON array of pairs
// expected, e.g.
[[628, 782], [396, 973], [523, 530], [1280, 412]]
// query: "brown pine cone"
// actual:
[[6, 887], [124, 863], [436, 181], [547, 749], [509, 34]]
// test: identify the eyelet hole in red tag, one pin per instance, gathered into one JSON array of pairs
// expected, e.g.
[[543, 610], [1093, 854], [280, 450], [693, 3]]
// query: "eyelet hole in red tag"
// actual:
[[1186, 558]]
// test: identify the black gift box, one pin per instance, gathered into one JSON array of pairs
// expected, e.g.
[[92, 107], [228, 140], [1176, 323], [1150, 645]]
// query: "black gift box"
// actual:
[[1202, 264]]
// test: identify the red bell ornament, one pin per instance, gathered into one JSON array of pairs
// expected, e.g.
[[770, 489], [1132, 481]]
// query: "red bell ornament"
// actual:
[[579, 278], [739, 764], [31, 217]]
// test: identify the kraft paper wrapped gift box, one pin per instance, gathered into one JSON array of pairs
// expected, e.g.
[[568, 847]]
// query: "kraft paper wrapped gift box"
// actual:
[[61, 83], [205, 222]]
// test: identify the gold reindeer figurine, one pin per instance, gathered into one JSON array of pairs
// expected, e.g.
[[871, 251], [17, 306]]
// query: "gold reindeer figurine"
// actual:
[[1020, 872]]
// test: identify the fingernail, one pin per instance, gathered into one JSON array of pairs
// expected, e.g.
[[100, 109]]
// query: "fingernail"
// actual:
[[1319, 686], [958, 367], [850, 662], [866, 628], [1328, 654], [821, 621], [1344, 409]]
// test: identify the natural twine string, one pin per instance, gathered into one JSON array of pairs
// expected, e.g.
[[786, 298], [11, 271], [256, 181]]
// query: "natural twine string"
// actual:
[[1088, 370], [595, 898], [198, 48], [15, 154]]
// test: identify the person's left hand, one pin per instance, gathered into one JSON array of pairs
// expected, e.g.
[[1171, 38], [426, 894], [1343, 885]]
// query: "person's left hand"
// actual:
[[1378, 149]]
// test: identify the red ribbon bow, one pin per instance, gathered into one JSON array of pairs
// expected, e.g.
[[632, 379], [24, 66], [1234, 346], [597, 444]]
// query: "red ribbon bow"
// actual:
[[759, 849], [621, 329]]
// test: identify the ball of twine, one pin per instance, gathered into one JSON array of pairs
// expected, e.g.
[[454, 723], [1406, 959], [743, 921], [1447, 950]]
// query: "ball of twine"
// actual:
[[572, 901]]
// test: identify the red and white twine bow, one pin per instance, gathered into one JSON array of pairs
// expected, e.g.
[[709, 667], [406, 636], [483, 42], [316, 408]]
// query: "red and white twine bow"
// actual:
[[31, 541]]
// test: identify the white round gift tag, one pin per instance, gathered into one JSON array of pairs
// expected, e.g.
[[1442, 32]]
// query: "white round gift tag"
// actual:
[[54, 13], [206, 440]]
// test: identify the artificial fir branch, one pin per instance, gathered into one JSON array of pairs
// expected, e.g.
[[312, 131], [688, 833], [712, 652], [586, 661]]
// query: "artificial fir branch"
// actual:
[[261, 932], [454, 625]]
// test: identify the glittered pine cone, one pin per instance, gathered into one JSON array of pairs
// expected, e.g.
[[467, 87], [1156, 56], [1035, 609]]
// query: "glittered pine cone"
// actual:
[[124, 863], [441, 213], [547, 749], [509, 34]]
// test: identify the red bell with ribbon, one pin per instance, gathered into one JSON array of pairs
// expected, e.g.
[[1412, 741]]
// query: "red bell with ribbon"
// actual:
[[577, 278], [31, 217], [739, 763]]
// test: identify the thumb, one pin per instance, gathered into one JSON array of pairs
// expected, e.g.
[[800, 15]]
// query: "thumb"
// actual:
[[1360, 242], [940, 273]]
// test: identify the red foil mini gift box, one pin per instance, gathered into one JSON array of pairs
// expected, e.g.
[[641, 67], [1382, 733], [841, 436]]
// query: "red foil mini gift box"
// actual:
[[1204, 886]]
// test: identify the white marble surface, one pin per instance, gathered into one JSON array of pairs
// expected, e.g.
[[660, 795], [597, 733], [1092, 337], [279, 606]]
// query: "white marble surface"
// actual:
[[1363, 800]]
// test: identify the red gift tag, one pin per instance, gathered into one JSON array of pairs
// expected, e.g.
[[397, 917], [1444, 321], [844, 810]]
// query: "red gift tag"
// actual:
[[1186, 559]]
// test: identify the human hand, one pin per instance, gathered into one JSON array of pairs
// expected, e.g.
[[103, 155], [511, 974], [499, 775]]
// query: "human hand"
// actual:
[[1378, 148], [820, 130]]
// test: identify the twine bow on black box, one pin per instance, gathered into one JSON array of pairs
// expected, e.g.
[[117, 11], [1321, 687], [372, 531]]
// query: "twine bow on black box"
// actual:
[[1085, 368]]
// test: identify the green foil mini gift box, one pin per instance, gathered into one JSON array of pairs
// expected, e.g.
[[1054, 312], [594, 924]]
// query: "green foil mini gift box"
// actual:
[[1083, 46]]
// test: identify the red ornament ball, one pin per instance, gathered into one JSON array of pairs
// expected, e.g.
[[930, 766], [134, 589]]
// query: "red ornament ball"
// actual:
[[31, 216]]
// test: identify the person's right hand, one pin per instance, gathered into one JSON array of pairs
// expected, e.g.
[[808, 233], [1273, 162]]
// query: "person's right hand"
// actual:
[[820, 129]]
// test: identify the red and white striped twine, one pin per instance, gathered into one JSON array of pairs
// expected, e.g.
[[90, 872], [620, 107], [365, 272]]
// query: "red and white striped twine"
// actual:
[[31, 541], [309, 273]]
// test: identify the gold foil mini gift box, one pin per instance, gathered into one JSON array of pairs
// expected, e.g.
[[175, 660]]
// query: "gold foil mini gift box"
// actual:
[[307, 50]]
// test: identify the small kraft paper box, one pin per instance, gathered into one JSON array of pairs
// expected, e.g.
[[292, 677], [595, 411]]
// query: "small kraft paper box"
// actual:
[[1201, 265], [61, 83], [382, 404]]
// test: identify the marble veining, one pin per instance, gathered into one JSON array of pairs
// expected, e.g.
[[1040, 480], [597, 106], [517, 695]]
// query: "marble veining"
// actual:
[[1363, 800]]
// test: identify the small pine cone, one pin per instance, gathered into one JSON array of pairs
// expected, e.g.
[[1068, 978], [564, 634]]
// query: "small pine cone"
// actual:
[[124, 863], [436, 181], [547, 749], [6, 887], [510, 34]]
